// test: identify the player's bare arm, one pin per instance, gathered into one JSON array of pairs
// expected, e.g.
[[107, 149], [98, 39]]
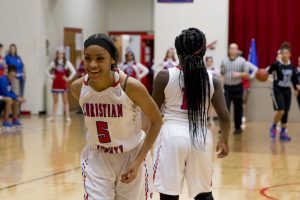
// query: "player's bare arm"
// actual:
[[138, 93], [76, 87], [160, 84], [218, 102]]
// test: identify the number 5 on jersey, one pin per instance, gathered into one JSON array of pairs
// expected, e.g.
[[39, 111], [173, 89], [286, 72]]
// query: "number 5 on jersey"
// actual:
[[103, 133]]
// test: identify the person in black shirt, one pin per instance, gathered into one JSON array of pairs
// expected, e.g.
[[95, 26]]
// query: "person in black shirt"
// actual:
[[284, 76]]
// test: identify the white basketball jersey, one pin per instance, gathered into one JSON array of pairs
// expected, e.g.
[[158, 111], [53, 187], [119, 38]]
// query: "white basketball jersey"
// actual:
[[112, 119], [175, 107], [169, 63]]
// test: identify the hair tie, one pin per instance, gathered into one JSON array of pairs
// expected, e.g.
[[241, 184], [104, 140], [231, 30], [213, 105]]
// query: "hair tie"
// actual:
[[201, 50]]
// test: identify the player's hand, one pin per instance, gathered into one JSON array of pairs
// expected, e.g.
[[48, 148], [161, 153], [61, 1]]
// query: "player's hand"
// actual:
[[236, 74], [65, 78], [131, 173], [298, 87], [222, 148]]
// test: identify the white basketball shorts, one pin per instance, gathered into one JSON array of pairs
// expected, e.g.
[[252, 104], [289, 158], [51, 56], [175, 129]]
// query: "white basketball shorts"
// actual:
[[102, 174], [176, 159]]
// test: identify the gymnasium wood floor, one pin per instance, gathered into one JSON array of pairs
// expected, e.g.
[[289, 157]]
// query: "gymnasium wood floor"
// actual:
[[42, 162]]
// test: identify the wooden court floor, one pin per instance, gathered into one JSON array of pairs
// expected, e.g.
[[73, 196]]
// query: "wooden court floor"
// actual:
[[42, 162]]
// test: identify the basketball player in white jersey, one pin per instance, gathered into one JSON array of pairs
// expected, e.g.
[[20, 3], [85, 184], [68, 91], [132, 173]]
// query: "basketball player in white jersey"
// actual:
[[184, 147], [115, 159]]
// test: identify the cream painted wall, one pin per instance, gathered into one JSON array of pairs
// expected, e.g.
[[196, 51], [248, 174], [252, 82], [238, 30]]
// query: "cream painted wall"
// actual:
[[29, 23], [19, 25], [130, 15], [90, 16], [210, 16]]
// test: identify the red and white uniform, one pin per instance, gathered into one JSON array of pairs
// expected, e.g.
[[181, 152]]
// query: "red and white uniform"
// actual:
[[135, 70], [114, 138], [166, 64], [175, 157], [58, 72]]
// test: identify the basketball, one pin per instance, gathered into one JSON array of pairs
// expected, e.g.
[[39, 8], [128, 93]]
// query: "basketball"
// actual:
[[262, 75]]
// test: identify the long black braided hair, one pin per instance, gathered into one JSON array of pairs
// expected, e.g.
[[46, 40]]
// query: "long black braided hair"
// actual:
[[191, 47]]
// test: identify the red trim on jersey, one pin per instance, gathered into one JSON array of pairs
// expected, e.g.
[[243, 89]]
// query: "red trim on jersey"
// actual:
[[146, 180], [84, 164], [116, 84], [156, 162]]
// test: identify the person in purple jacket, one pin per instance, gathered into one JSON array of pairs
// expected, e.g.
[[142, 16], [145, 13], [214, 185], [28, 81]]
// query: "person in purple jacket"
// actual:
[[12, 101], [13, 59]]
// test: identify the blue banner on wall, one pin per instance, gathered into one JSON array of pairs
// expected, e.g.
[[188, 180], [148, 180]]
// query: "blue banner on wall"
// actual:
[[175, 1]]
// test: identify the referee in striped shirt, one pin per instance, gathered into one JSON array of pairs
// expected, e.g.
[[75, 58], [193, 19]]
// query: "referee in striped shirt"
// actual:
[[233, 69]]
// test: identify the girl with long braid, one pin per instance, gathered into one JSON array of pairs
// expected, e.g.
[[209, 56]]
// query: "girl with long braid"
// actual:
[[184, 146]]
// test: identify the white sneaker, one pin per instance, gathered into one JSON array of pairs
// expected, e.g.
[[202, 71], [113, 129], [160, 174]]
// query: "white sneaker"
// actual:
[[244, 119], [51, 119], [243, 126], [68, 119]]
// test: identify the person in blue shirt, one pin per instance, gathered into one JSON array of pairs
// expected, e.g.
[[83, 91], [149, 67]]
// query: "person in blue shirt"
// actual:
[[11, 99], [13, 59]]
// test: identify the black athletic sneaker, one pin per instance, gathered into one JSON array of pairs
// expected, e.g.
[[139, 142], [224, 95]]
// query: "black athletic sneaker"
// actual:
[[237, 131]]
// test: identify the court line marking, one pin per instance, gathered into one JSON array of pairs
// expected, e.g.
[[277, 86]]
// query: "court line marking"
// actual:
[[264, 190], [40, 178], [76, 168], [258, 168]]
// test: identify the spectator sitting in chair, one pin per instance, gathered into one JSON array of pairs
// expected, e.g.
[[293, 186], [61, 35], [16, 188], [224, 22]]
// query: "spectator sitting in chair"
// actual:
[[2, 104], [12, 101]]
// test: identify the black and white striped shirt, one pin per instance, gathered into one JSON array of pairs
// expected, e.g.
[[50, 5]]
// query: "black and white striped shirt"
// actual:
[[229, 66]]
